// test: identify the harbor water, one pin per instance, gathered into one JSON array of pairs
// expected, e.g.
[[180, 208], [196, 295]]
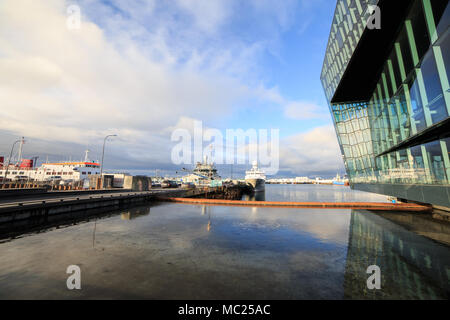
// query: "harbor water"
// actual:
[[179, 251]]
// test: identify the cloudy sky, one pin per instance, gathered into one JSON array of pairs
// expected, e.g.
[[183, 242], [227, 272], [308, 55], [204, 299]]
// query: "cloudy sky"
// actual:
[[141, 69]]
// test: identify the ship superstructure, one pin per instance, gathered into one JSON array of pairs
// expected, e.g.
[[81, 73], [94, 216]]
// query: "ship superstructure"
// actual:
[[256, 177], [203, 173], [24, 169]]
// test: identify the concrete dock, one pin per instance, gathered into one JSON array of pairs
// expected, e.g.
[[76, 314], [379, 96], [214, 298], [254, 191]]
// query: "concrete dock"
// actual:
[[26, 205]]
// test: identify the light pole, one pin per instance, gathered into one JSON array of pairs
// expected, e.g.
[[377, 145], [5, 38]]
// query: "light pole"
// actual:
[[9, 159], [34, 165], [103, 155]]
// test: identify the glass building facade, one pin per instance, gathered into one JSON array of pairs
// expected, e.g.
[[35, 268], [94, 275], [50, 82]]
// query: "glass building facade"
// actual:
[[391, 113]]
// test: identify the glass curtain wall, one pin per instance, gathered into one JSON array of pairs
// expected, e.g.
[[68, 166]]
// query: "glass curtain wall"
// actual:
[[348, 25], [412, 94]]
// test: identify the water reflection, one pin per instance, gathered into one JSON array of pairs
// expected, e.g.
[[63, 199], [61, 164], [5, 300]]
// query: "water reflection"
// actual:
[[217, 252], [37, 224], [257, 196], [315, 192], [206, 210], [93, 234], [423, 224], [135, 213], [412, 266]]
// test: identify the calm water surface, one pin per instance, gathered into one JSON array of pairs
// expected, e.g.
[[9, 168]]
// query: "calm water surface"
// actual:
[[310, 193], [177, 251]]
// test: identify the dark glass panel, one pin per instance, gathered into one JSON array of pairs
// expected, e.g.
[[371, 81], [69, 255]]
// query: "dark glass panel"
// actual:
[[441, 14], [404, 115], [396, 68], [406, 51], [416, 153], [420, 30], [416, 104], [436, 162], [445, 49], [389, 92], [433, 88]]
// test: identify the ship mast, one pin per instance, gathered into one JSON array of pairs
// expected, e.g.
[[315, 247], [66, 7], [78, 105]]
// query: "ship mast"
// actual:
[[86, 156], [19, 156]]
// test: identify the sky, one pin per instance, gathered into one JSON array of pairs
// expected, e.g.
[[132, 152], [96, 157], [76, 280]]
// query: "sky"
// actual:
[[142, 69]]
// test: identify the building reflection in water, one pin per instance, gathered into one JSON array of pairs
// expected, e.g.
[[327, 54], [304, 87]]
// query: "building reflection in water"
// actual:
[[412, 266], [316, 192], [135, 213], [257, 196], [206, 210]]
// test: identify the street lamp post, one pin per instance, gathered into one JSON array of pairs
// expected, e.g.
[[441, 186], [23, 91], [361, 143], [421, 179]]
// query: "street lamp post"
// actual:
[[103, 155], [34, 165], [9, 159]]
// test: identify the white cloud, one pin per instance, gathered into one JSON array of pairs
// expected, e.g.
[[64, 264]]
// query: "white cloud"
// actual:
[[134, 69], [292, 109], [301, 110], [76, 85], [312, 152]]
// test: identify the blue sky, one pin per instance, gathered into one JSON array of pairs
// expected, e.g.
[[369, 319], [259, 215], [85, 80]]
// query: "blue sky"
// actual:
[[142, 69], [293, 41]]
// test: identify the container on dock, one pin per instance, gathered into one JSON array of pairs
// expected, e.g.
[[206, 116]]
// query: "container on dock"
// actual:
[[137, 183]]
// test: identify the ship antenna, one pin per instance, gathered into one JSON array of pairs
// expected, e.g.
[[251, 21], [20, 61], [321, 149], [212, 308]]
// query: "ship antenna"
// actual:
[[86, 156], [19, 157], [211, 153]]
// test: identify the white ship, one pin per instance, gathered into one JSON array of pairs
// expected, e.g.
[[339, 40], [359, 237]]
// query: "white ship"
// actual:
[[26, 170], [256, 177]]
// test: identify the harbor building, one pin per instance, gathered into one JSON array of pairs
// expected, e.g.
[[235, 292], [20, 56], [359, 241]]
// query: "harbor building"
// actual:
[[386, 79]]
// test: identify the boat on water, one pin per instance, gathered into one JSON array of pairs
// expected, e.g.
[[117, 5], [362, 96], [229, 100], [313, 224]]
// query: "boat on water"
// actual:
[[338, 181], [256, 177], [26, 170], [204, 173], [206, 170]]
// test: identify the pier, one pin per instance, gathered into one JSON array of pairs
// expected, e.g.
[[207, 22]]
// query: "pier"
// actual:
[[16, 205]]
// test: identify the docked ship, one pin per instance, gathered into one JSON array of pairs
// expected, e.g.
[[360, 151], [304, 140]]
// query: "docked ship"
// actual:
[[256, 177], [26, 169], [206, 170], [203, 173], [340, 181]]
